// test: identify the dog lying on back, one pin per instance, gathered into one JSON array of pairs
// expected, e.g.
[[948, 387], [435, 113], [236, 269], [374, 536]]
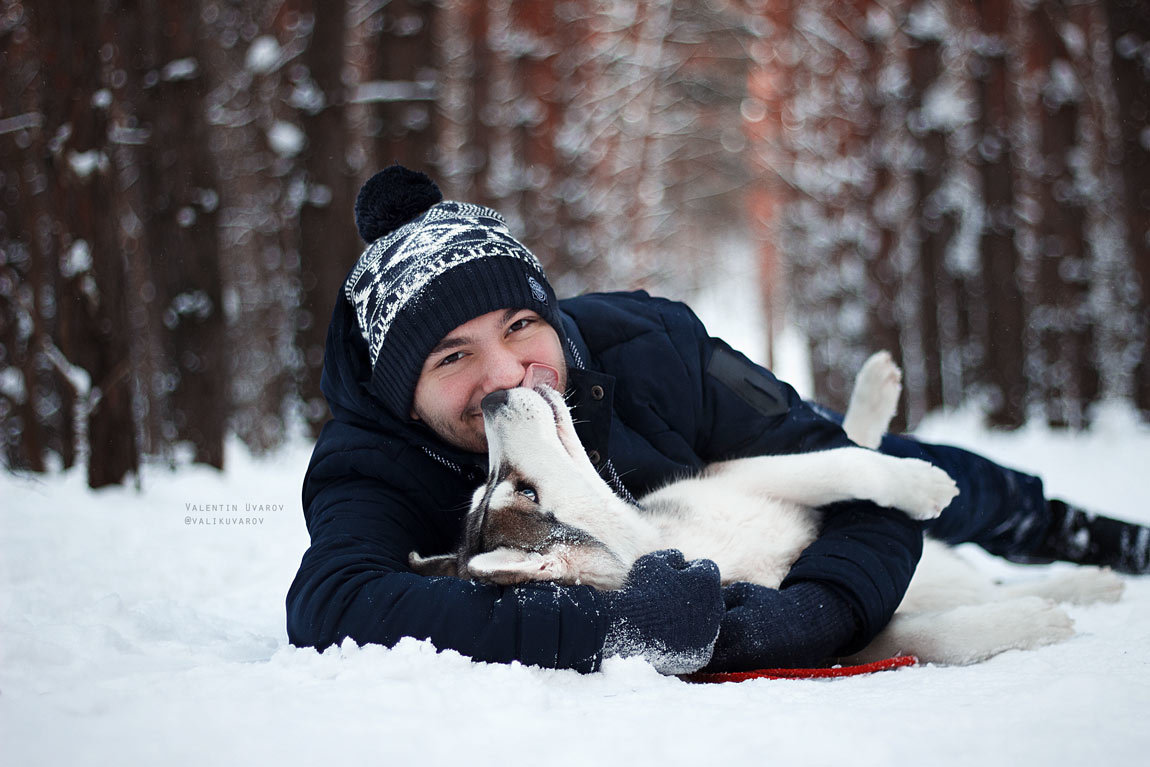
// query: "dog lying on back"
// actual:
[[545, 514]]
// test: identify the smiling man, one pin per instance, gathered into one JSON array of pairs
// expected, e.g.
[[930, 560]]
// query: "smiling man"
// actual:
[[486, 354], [444, 307]]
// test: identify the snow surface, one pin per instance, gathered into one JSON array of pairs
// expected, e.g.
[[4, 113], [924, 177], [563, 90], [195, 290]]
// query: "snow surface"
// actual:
[[263, 55], [286, 139], [147, 627]]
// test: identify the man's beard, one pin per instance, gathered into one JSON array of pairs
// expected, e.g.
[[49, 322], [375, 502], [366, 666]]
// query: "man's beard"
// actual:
[[462, 432]]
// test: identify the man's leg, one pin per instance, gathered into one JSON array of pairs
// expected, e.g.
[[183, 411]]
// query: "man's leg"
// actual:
[[1002, 510], [1006, 512]]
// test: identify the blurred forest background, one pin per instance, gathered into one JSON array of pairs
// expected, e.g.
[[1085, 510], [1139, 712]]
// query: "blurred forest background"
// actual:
[[966, 183]]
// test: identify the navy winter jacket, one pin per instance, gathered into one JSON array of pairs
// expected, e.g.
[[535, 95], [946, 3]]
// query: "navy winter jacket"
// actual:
[[654, 397]]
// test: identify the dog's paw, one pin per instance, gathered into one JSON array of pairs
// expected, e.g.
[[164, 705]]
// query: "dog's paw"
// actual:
[[1016, 624], [874, 400], [879, 382], [974, 633], [1027, 623], [1080, 586], [1088, 585], [971, 633], [920, 489]]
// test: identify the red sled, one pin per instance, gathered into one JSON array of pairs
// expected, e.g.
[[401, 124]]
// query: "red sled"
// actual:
[[899, 661]]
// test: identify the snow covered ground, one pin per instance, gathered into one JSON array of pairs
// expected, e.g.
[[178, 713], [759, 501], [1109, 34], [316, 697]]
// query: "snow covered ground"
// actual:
[[133, 631], [133, 634]]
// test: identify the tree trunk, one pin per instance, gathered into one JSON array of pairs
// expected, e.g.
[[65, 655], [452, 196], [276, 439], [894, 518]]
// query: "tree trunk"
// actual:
[[91, 343], [1004, 354], [329, 244], [181, 225], [1064, 377], [404, 86], [24, 437], [1129, 23]]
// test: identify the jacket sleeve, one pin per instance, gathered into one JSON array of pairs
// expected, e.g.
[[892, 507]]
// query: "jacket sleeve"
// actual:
[[354, 582], [866, 553]]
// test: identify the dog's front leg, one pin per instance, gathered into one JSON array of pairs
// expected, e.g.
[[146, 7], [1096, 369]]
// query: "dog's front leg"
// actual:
[[848, 473]]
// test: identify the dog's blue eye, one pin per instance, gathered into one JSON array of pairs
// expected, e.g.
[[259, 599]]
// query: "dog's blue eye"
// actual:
[[528, 492]]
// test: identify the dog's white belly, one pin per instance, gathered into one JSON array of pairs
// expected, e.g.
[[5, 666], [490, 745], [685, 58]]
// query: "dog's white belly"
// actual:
[[750, 537]]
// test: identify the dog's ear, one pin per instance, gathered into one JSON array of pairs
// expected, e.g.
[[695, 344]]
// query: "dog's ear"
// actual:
[[508, 566], [444, 564]]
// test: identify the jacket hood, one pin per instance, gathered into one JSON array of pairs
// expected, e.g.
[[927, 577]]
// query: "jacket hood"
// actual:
[[345, 383], [346, 370]]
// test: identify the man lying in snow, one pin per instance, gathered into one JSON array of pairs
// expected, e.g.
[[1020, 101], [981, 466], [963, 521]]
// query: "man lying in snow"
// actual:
[[445, 306]]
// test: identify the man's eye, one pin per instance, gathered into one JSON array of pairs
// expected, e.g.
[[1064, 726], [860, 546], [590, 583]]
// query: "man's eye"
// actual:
[[449, 359], [520, 324]]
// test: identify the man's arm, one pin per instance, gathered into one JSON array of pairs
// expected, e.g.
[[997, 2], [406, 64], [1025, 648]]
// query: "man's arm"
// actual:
[[354, 582]]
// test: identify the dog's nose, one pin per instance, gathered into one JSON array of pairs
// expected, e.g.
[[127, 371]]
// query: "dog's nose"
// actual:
[[493, 401]]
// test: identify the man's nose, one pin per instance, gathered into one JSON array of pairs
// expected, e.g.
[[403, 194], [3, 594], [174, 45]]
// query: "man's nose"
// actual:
[[505, 371]]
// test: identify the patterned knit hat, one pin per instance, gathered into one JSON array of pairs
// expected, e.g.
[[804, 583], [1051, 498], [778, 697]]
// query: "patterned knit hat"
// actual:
[[431, 266]]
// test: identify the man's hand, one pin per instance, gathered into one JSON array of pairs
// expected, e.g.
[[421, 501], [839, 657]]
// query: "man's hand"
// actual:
[[797, 627], [667, 613]]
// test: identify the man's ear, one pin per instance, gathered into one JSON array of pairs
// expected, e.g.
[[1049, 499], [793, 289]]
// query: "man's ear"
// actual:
[[509, 566]]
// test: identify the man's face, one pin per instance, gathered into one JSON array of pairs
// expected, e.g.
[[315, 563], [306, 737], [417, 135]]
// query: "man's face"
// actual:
[[489, 353]]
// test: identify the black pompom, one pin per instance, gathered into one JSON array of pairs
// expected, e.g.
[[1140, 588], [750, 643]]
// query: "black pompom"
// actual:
[[390, 199]]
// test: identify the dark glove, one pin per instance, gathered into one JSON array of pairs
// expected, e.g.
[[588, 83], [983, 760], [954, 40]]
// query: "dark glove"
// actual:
[[667, 613], [799, 626]]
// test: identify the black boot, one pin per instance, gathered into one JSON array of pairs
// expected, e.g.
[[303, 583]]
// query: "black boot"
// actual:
[[1078, 536]]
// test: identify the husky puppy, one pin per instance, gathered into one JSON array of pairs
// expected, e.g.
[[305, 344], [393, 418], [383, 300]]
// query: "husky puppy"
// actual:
[[545, 514]]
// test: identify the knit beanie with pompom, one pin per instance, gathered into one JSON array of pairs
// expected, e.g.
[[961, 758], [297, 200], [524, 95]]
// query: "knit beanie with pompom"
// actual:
[[430, 266]]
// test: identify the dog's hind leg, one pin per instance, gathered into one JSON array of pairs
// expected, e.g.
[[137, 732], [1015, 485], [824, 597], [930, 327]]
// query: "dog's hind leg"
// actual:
[[1081, 586], [970, 633], [874, 400]]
